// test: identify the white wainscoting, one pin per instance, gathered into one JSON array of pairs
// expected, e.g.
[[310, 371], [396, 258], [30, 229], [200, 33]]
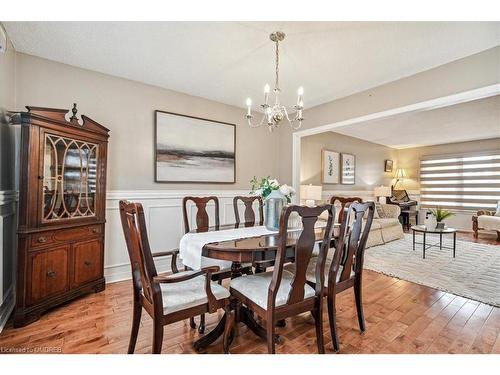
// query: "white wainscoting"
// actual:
[[163, 214], [8, 200]]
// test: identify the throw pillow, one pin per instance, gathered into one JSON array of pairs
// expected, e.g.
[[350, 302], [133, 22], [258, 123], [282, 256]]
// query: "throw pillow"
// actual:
[[379, 211]]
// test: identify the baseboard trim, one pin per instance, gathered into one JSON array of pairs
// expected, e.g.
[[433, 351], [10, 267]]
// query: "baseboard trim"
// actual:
[[7, 307]]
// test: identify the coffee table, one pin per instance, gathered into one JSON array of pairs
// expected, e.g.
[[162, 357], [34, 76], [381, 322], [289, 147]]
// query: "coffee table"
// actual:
[[427, 230]]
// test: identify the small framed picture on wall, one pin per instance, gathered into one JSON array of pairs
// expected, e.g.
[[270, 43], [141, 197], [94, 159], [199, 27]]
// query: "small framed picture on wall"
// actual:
[[330, 162], [348, 162], [388, 165]]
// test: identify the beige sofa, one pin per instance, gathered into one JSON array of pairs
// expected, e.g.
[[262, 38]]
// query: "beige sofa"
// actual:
[[386, 226]]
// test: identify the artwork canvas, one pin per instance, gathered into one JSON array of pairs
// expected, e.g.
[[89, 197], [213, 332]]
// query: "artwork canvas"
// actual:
[[330, 161], [388, 165], [194, 150], [348, 169]]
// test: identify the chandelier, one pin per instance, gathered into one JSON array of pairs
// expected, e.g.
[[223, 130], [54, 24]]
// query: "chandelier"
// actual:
[[275, 113]]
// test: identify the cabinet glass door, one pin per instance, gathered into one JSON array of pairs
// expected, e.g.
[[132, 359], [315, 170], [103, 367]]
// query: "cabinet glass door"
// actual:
[[69, 178]]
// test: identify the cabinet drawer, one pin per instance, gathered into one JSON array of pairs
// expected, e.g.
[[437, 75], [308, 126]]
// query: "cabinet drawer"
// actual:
[[65, 235], [47, 273], [87, 261]]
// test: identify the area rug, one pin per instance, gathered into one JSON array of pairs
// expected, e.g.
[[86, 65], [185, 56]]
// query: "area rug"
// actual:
[[474, 273]]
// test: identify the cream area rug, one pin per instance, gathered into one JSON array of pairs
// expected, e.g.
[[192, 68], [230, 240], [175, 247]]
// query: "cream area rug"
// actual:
[[474, 273]]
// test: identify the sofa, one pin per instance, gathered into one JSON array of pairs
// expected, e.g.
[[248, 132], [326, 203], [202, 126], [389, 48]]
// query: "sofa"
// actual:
[[486, 220], [385, 226]]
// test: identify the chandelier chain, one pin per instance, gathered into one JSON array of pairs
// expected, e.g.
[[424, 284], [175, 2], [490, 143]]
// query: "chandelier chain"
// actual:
[[277, 86]]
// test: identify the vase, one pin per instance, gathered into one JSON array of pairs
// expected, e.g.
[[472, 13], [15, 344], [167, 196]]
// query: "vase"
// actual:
[[273, 205], [440, 225]]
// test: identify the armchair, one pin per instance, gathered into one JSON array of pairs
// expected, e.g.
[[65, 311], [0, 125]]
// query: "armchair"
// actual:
[[486, 220]]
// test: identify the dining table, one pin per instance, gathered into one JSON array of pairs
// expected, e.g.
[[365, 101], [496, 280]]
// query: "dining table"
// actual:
[[240, 251]]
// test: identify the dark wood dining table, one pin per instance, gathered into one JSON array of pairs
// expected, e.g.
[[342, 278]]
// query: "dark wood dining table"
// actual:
[[246, 250]]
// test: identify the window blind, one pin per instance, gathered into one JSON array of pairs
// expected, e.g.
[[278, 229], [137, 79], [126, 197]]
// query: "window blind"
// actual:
[[464, 182]]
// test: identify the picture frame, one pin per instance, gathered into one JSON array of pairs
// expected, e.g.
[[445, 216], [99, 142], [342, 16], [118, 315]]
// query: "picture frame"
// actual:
[[192, 149], [388, 165], [348, 165], [330, 167]]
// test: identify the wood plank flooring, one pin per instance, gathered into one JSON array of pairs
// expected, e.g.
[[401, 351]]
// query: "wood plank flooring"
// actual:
[[401, 317]]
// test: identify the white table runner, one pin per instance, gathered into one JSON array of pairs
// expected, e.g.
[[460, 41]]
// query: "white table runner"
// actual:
[[192, 244]]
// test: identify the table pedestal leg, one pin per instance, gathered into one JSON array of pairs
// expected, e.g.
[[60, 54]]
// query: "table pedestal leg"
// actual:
[[246, 317], [210, 337]]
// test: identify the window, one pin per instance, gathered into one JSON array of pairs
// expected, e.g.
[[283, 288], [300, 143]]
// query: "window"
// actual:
[[464, 182]]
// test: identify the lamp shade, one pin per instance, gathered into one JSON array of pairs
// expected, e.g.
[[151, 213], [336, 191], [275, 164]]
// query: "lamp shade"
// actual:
[[382, 191], [400, 173], [311, 192]]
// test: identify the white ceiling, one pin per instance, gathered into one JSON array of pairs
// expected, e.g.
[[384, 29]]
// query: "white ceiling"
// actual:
[[478, 119], [229, 61]]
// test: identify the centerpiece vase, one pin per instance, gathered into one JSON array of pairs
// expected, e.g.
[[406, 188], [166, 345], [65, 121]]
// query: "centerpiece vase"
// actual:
[[273, 204]]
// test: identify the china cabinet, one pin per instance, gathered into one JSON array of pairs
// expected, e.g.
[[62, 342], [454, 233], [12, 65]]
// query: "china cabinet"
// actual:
[[61, 209]]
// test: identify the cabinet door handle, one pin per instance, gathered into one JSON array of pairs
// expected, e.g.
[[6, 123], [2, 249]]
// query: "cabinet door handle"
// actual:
[[42, 239], [95, 230], [51, 273], [87, 263]]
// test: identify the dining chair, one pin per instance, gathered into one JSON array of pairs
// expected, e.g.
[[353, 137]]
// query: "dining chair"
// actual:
[[167, 299], [279, 294], [344, 263], [344, 202], [249, 213], [203, 224]]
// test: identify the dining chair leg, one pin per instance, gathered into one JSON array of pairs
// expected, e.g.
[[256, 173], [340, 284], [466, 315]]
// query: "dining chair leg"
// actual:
[[318, 320], [201, 328], [192, 323], [157, 336], [228, 329], [136, 322], [359, 303], [333, 322], [271, 336]]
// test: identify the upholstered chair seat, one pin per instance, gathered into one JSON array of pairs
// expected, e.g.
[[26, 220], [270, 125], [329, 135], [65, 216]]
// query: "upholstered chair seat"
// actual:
[[189, 293], [255, 288]]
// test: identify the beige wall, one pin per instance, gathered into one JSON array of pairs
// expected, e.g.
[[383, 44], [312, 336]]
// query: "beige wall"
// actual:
[[410, 158], [370, 159], [472, 72], [127, 109]]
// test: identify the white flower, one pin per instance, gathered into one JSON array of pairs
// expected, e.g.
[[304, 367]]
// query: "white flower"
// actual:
[[258, 192], [292, 190], [285, 189], [274, 183]]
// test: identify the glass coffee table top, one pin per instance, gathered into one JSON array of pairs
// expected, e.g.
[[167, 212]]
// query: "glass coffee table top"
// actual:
[[423, 228]]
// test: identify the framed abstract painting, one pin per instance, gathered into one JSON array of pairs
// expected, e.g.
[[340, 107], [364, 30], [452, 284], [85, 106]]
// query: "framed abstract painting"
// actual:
[[348, 169], [194, 150], [330, 161]]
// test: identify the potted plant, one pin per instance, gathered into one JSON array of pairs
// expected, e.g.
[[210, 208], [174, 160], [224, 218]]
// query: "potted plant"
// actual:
[[440, 215], [275, 196]]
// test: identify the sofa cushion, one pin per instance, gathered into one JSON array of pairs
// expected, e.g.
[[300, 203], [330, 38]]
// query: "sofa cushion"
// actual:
[[389, 222], [488, 222]]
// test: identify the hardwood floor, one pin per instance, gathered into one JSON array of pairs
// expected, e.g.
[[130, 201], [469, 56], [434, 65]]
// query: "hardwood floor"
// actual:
[[401, 317]]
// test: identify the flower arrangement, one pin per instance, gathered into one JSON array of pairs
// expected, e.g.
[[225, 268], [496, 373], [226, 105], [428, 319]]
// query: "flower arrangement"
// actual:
[[266, 186]]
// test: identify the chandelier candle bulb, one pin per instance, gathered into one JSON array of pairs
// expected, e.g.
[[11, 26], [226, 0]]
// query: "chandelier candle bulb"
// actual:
[[249, 105], [267, 89]]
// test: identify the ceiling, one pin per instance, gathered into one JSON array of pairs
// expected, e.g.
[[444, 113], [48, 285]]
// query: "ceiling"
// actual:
[[478, 119], [230, 61]]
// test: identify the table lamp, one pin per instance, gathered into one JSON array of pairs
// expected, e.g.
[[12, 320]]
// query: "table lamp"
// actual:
[[311, 194], [382, 191]]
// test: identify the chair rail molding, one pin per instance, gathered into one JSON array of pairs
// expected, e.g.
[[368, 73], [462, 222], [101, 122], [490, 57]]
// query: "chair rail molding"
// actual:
[[163, 214]]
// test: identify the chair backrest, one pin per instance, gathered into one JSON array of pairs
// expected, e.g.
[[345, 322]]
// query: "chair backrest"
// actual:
[[202, 218], [351, 243], [141, 260], [304, 247], [345, 202], [250, 219]]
